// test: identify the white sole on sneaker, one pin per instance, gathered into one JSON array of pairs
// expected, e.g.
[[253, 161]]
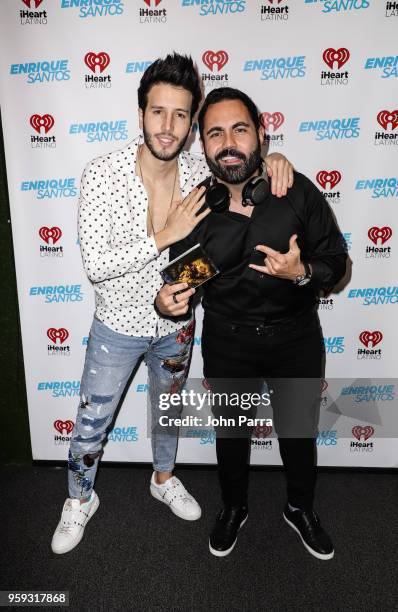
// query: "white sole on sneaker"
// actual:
[[224, 553], [155, 493], [93, 509], [313, 552]]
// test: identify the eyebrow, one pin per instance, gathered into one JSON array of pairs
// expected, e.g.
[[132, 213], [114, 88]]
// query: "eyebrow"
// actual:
[[217, 128], [156, 107]]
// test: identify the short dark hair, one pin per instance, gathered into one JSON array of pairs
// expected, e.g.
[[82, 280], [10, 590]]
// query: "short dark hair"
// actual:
[[228, 93], [174, 69]]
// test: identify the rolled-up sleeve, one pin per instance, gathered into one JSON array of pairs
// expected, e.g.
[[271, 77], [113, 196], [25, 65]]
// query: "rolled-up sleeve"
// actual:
[[101, 259]]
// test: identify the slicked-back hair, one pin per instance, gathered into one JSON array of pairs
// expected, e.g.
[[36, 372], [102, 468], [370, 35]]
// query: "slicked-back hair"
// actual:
[[175, 69], [228, 93]]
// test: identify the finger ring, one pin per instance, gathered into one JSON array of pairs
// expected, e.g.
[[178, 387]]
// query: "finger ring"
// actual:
[[175, 299]]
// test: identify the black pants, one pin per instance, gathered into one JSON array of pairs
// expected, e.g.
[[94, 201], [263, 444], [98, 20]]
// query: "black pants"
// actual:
[[291, 360]]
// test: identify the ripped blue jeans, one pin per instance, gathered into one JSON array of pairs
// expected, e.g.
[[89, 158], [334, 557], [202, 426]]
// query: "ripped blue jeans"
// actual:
[[110, 360]]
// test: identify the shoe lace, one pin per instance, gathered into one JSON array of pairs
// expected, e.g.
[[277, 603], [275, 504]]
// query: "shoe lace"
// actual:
[[65, 529], [67, 520], [177, 489], [226, 516], [314, 517], [312, 520]]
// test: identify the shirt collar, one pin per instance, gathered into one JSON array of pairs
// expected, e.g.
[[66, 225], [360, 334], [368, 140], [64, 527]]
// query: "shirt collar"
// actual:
[[125, 160]]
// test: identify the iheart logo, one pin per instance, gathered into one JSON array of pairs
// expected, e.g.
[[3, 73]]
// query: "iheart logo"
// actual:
[[380, 233], [29, 3], [50, 233], [94, 60], [328, 176], [64, 427], [339, 56], [273, 120], [215, 58], [367, 338], [41, 121], [262, 431], [385, 117], [60, 334], [362, 432], [153, 2]]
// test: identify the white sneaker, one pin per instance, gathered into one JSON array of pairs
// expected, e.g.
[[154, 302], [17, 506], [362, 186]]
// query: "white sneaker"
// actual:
[[74, 518], [174, 494]]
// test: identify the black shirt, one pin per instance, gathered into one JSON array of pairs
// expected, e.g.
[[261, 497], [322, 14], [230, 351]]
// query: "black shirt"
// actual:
[[242, 294]]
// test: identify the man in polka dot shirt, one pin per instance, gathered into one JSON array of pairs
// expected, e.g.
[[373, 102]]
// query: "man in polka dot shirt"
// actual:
[[135, 203]]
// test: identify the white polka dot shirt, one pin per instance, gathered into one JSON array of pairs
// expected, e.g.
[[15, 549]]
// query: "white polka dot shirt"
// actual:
[[121, 261]]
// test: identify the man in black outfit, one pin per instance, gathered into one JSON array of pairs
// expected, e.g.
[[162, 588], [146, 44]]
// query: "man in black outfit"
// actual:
[[260, 320]]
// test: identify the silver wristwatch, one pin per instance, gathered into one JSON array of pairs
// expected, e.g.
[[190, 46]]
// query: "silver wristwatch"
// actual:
[[305, 278]]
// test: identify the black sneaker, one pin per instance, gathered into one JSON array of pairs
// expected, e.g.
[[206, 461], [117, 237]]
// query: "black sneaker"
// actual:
[[225, 532], [314, 538]]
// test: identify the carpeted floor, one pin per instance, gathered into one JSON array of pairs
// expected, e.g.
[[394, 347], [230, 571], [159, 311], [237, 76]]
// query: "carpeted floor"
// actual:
[[136, 555]]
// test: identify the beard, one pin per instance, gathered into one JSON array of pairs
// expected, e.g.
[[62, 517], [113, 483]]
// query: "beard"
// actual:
[[164, 155], [239, 173]]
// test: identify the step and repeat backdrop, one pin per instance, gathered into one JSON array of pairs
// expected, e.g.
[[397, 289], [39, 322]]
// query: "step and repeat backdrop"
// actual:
[[324, 76]]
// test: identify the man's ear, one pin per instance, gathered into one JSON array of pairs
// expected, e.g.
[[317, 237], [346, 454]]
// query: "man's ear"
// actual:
[[261, 133], [201, 145], [140, 118]]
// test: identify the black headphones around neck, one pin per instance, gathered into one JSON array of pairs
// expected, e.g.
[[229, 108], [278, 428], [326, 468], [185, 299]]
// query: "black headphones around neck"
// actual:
[[254, 193]]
